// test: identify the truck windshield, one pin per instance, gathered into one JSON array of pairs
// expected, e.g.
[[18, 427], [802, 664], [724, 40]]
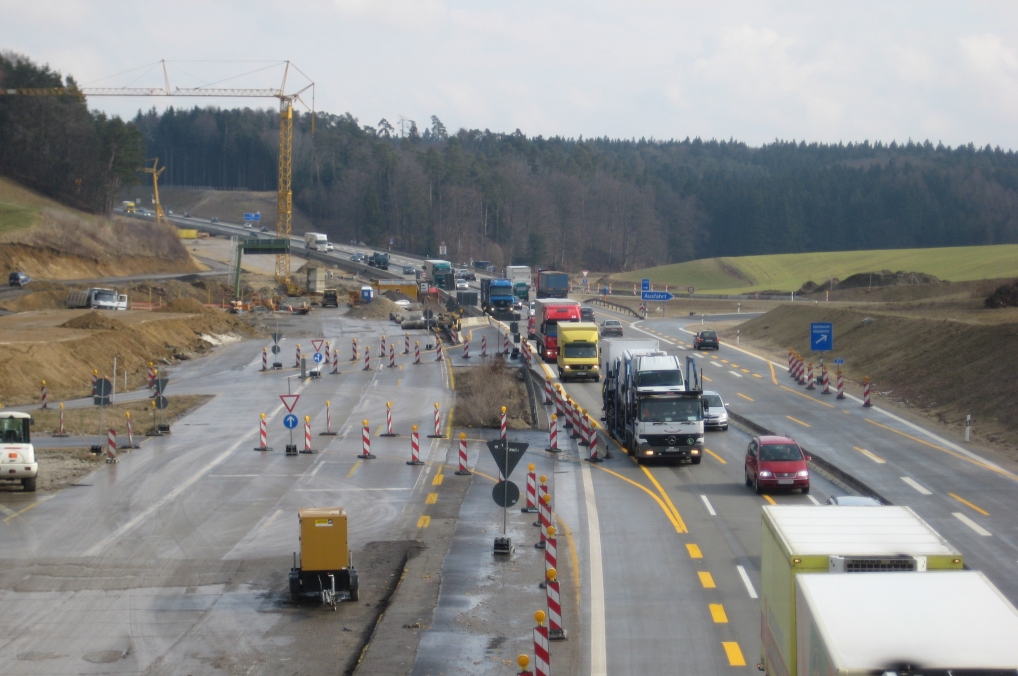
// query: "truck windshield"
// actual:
[[580, 351], [670, 410], [106, 296], [659, 378], [551, 329], [14, 430]]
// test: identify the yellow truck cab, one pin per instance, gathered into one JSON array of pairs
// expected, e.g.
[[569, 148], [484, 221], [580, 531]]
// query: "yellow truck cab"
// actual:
[[579, 355], [18, 460]]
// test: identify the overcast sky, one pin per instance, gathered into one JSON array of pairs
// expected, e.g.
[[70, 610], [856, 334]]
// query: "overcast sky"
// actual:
[[752, 71]]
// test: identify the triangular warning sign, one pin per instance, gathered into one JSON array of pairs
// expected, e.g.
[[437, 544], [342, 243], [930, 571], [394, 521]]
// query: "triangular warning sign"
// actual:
[[507, 458], [289, 401], [317, 345]]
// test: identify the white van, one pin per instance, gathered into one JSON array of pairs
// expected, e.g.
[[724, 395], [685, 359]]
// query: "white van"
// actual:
[[18, 460]]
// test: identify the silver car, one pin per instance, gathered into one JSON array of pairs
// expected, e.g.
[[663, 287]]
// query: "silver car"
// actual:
[[715, 412]]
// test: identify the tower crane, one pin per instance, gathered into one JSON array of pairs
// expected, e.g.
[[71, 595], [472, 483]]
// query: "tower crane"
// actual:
[[284, 197]]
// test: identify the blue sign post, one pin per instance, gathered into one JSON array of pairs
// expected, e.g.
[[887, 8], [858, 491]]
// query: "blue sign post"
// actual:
[[839, 361], [821, 336], [289, 421], [644, 285], [257, 216]]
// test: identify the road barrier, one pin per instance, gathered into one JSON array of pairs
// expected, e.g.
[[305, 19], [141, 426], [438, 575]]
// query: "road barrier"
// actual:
[[392, 356], [574, 410], [438, 424], [466, 346], [584, 429], [560, 408], [550, 554], [328, 421], [791, 360], [503, 425], [381, 351], [826, 378], [439, 357], [388, 420], [553, 434], [111, 446], [45, 402], [594, 456], [95, 377], [531, 507], [866, 392], [367, 358], [335, 362], [543, 512], [417, 352], [263, 434], [542, 488], [328, 352], [298, 356], [365, 442], [547, 391], [151, 375], [355, 357], [415, 447], [265, 359], [406, 343], [802, 372], [130, 432], [555, 630], [307, 435], [810, 381], [505, 343], [484, 346], [841, 386], [542, 649], [463, 471], [61, 432]]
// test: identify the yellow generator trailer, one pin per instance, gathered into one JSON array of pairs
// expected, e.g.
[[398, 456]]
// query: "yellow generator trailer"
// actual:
[[325, 568]]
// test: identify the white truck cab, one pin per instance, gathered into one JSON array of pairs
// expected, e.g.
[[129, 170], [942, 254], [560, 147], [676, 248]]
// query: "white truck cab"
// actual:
[[18, 460]]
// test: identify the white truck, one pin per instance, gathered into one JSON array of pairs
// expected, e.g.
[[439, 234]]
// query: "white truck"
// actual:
[[316, 241], [97, 298], [522, 280], [18, 460]]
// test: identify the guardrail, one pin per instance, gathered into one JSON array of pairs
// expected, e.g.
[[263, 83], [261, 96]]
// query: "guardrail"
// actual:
[[614, 306]]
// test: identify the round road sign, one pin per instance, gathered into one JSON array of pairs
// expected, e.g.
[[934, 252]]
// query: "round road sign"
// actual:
[[161, 402], [318, 357], [290, 421], [690, 289], [276, 349], [103, 387], [505, 493]]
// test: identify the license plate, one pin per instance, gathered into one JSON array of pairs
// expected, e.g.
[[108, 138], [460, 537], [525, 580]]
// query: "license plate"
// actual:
[[785, 481]]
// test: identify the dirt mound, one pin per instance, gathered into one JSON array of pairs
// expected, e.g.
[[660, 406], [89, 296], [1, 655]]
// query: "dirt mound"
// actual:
[[1004, 296], [380, 308], [93, 321], [191, 305], [885, 278]]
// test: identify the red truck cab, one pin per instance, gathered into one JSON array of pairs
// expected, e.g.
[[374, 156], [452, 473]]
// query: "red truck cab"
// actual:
[[549, 312]]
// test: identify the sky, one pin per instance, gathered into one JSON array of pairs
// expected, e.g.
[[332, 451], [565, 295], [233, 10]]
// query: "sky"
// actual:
[[750, 71]]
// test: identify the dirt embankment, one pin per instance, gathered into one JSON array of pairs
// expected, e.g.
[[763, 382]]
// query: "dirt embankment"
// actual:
[[63, 347], [226, 205], [944, 368], [483, 390]]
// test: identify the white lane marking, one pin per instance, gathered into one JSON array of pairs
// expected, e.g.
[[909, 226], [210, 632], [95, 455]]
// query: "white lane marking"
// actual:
[[7, 511], [813, 500], [344, 490], [916, 485], [737, 375], [972, 524], [598, 645], [320, 465], [268, 521], [746, 581], [710, 508], [716, 363], [652, 335]]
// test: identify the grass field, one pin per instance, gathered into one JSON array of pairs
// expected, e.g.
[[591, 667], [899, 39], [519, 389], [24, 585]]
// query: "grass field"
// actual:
[[788, 272]]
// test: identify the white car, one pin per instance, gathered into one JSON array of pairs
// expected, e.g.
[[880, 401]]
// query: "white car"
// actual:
[[18, 460], [462, 284], [715, 412]]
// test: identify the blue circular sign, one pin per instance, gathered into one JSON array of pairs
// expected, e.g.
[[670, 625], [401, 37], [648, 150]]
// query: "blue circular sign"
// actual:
[[318, 357], [290, 421]]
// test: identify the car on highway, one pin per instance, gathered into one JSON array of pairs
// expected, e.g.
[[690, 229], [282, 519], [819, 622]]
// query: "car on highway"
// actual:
[[265, 228], [715, 411], [706, 340], [462, 285], [187, 215], [467, 274], [409, 270], [611, 327], [215, 220], [776, 462], [18, 279], [587, 314], [854, 501], [357, 257]]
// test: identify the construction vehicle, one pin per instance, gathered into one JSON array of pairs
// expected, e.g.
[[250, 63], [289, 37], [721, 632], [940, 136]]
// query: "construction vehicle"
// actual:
[[497, 299], [578, 355], [330, 298], [325, 567], [549, 314], [97, 299], [18, 460], [551, 284], [805, 541]]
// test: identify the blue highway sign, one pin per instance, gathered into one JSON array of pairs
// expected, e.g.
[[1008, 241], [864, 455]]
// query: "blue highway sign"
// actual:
[[257, 216], [656, 295], [839, 361], [644, 285], [290, 421], [821, 336], [318, 357]]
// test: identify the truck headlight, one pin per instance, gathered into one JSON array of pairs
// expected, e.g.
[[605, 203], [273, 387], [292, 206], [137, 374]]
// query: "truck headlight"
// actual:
[[568, 367], [594, 368]]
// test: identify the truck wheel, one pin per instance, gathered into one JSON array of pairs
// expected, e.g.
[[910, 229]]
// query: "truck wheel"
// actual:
[[294, 586], [29, 484], [597, 379]]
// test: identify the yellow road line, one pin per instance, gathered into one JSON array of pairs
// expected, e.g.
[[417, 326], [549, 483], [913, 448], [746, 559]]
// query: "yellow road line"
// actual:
[[733, 365], [437, 481], [354, 469], [707, 379], [745, 397], [20, 512], [431, 499], [424, 521], [872, 456], [378, 431], [679, 526], [574, 559], [757, 375], [769, 499], [798, 421], [694, 551], [399, 381], [734, 654], [678, 517], [707, 580], [724, 361], [969, 504], [717, 613], [773, 376], [716, 456], [806, 396], [744, 370]]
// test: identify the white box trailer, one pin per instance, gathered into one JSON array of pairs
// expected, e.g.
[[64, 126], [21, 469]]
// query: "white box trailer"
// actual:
[[830, 540], [947, 622]]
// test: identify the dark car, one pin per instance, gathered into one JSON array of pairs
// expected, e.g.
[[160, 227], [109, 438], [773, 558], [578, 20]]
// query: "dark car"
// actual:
[[18, 279], [706, 340], [215, 220], [409, 270], [611, 327], [187, 215], [265, 228], [776, 462], [587, 314]]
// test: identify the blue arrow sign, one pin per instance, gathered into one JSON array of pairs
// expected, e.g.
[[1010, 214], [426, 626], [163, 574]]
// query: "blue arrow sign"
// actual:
[[821, 336], [839, 361], [318, 357], [290, 421], [644, 285], [253, 217], [656, 295]]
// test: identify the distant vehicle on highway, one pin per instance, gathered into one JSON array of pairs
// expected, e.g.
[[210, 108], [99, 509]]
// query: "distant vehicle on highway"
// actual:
[[611, 327], [265, 228], [357, 258], [187, 215], [715, 411], [461, 284], [776, 462], [466, 274], [247, 225], [215, 220], [18, 279], [854, 500], [706, 340], [587, 314], [409, 270]]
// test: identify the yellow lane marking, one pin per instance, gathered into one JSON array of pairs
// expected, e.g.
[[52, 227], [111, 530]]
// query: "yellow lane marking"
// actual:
[[675, 512], [694, 551], [20, 512], [745, 397], [679, 526], [424, 521], [733, 365], [969, 504], [717, 613], [724, 361], [437, 481], [773, 376], [798, 421], [716, 456], [707, 580], [757, 375], [769, 499], [734, 654], [431, 499], [574, 559], [707, 379], [945, 450], [713, 356], [806, 396], [744, 370], [399, 381], [378, 431], [872, 456], [353, 469]]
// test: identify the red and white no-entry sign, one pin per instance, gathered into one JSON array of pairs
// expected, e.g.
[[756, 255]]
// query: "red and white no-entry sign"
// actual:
[[317, 344], [289, 401]]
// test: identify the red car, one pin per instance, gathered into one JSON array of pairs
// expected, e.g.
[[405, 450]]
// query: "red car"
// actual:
[[776, 462]]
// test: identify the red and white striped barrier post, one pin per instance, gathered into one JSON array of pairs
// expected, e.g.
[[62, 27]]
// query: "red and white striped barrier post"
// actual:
[[365, 441], [417, 352], [95, 377], [574, 410], [415, 447], [463, 471], [265, 359], [810, 380], [466, 346], [381, 351], [505, 343], [367, 358], [555, 630], [802, 372], [328, 352], [866, 392], [263, 435], [355, 357], [592, 444], [45, 398], [484, 346], [111, 446], [503, 426], [406, 343], [307, 435], [841, 386], [328, 421], [335, 361], [392, 356], [61, 432], [796, 366], [543, 513], [438, 425], [298, 356], [560, 408], [553, 435], [130, 431], [547, 391], [388, 420], [550, 555], [531, 507], [542, 488], [791, 359], [439, 357], [584, 429], [151, 375], [542, 650], [826, 379]]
